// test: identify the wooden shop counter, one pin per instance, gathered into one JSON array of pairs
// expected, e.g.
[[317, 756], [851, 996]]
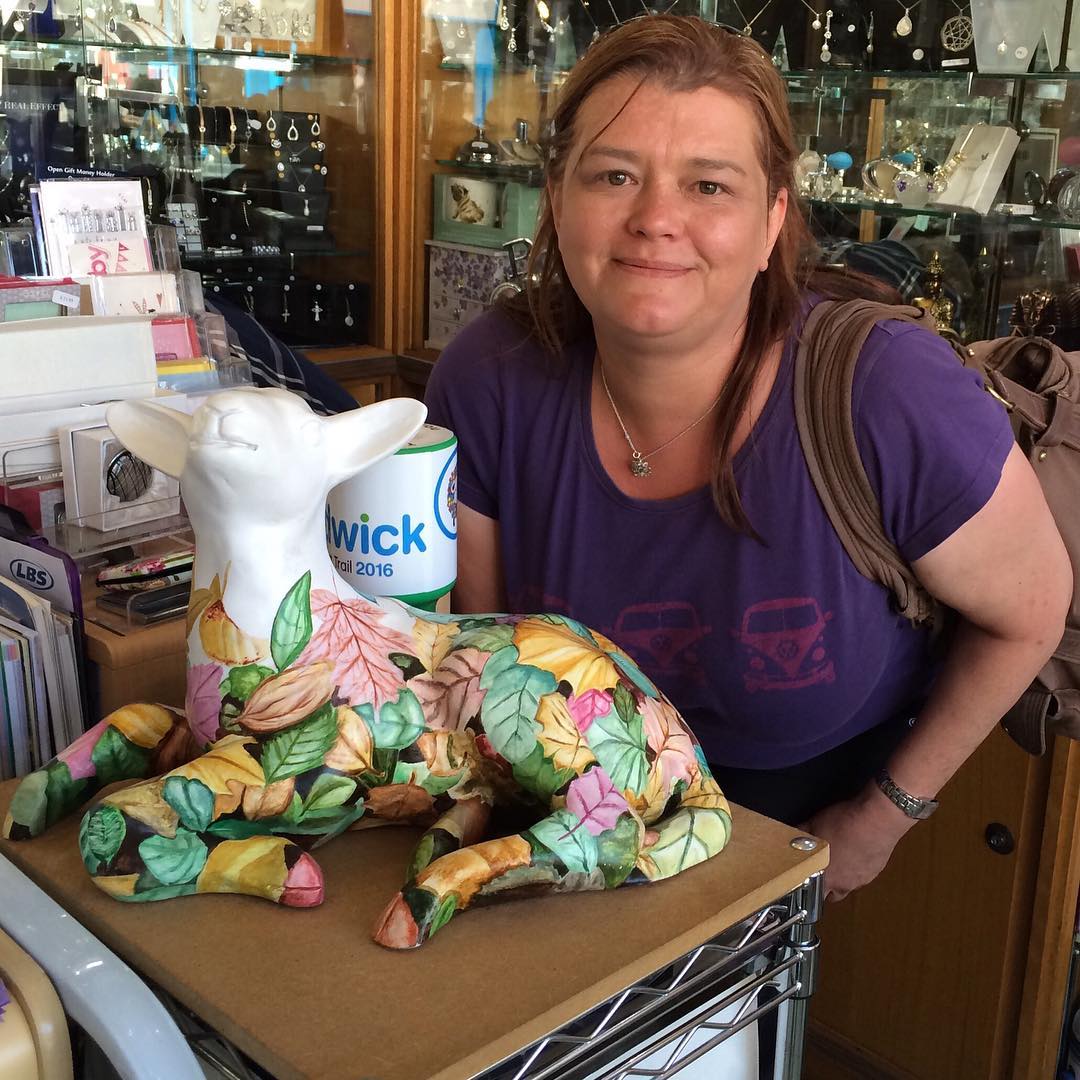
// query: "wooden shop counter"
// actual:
[[307, 994]]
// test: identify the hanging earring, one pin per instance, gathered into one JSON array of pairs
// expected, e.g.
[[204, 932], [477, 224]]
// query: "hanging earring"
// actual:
[[315, 129], [870, 36], [307, 209], [826, 52], [284, 303], [292, 134], [1002, 47], [511, 45], [348, 310]]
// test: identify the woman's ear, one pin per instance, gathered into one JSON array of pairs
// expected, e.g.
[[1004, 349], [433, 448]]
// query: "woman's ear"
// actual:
[[777, 214]]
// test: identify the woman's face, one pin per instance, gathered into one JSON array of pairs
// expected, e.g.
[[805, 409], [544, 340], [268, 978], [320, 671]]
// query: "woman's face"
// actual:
[[662, 212]]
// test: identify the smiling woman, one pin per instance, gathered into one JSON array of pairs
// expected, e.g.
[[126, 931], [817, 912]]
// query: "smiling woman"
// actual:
[[629, 457]]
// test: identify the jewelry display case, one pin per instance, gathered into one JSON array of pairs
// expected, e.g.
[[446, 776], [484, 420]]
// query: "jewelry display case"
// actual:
[[939, 151], [249, 125]]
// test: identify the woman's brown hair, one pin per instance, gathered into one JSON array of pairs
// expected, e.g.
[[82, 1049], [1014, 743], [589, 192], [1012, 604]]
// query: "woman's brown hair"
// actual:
[[686, 53]]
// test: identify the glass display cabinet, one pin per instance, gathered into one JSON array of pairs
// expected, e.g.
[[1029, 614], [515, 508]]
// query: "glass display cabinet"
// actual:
[[249, 125]]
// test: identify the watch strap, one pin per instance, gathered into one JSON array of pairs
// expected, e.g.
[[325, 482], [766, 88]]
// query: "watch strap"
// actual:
[[912, 805]]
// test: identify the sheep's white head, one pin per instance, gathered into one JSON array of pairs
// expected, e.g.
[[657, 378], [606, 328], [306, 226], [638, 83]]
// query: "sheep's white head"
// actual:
[[260, 451]]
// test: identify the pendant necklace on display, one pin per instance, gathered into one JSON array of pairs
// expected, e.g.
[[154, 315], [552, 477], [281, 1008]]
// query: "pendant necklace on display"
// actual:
[[816, 24], [826, 52], [904, 25], [749, 23], [639, 462], [595, 28], [957, 32], [1020, 52]]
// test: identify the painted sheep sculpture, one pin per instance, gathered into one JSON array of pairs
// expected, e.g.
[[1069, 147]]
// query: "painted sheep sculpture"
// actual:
[[312, 708]]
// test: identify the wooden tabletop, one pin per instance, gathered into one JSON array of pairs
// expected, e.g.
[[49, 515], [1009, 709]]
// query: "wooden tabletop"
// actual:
[[309, 996]]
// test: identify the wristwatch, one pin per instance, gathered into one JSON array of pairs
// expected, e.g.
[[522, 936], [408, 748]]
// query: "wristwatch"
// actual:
[[912, 805]]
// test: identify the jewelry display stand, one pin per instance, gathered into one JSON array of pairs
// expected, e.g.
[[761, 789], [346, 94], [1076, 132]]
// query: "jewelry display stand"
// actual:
[[200, 20], [1007, 32]]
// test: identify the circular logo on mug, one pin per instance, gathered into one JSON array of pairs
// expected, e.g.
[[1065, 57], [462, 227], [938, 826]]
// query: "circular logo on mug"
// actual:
[[446, 498]]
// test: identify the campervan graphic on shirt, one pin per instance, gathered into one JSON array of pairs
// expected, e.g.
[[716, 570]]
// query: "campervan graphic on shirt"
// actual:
[[663, 633], [784, 644]]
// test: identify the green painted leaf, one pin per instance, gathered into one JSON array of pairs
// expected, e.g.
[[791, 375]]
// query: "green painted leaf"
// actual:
[[242, 681], [490, 639], [325, 823], [237, 828], [174, 861], [620, 749], [292, 624], [689, 837], [63, 793], [100, 836], [579, 628], [619, 850], [537, 773], [297, 749], [565, 836], [29, 805], [509, 710], [400, 722], [192, 800], [634, 674], [625, 706], [116, 757], [444, 914], [328, 792], [295, 809], [422, 856], [499, 661], [161, 892]]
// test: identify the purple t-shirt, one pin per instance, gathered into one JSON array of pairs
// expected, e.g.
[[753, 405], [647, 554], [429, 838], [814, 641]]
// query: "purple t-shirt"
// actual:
[[774, 652]]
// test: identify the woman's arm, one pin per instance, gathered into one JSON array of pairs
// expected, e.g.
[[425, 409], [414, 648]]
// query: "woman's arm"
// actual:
[[1007, 574], [479, 586]]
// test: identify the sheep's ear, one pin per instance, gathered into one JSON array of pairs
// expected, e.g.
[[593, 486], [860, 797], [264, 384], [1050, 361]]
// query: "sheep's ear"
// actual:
[[152, 432], [361, 437]]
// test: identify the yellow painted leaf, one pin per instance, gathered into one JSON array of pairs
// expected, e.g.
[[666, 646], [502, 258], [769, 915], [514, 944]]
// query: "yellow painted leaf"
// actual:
[[685, 839], [145, 803], [651, 802], [556, 648], [121, 885], [433, 641], [228, 801], [224, 641], [464, 872], [226, 760], [255, 866], [144, 725], [705, 794], [200, 600], [447, 752], [559, 735], [354, 748]]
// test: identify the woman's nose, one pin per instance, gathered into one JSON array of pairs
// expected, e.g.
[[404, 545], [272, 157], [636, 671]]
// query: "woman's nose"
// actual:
[[655, 212]]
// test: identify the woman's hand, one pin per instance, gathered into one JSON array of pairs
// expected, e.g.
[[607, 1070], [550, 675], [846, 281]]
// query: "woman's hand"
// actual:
[[862, 834]]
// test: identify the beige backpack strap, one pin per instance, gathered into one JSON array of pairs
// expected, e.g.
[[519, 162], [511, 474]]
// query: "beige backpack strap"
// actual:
[[832, 339]]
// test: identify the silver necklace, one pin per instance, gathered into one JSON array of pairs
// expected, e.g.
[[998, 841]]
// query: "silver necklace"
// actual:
[[957, 32], [639, 462], [749, 22], [904, 25]]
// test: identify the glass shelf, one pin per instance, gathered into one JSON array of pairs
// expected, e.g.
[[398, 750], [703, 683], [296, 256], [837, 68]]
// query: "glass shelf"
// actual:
[[270, 60], [968, 218], [281, 256], [531, 175], [860, 75]]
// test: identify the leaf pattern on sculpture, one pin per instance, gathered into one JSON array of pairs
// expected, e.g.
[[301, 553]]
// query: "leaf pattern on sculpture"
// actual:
[[556, 648], [354, 749], [146, 803], [620, 749], [510, 707], [354, 636], [226, 761], [684, 840], [255, 866], [560, 736], [432, 641], [593, 799], [203, 701], [562, 834], [466, 871], [143, 725], [451, 695], [670, 741], [200, 600], [705, 794], [225, 641]]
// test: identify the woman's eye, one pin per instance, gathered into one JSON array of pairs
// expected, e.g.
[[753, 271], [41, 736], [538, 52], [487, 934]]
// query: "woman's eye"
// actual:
[[708, 187], [616, 178]]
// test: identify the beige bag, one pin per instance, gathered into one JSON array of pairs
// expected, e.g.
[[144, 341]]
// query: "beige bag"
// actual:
[[1038, 384]]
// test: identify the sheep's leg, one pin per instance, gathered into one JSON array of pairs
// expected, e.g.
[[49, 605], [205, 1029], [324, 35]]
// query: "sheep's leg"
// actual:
[[129, 744], [461, 826], [555, 855]]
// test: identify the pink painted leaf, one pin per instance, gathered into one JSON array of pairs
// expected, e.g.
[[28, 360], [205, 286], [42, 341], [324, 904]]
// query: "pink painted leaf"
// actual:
[[586, 707], [354, 637], [78, 756], [451, 695], [593, 799], [671, 741], [203, 701]]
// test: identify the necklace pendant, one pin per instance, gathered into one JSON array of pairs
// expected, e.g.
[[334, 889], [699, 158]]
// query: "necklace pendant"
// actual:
[[638, 465], [904, 26]]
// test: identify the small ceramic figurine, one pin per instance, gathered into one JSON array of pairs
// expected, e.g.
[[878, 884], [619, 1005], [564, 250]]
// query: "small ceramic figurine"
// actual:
[[310, 707]]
